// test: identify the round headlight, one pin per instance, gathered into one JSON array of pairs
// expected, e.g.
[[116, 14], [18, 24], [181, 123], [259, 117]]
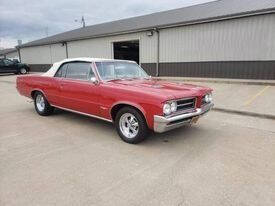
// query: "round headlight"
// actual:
[[173, 106], [210, 97], [167, 109], [206, 98]]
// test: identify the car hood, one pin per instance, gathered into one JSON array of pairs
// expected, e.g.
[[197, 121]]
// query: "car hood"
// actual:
[[171, 90]]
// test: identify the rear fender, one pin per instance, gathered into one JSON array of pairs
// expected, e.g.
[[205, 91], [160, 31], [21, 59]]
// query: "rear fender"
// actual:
[[37, 90]]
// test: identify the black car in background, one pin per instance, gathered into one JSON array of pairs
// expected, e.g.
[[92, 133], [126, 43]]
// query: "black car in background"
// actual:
[[9, 66]]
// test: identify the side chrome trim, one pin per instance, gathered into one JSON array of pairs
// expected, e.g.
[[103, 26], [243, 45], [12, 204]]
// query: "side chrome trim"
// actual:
[[82, 113]]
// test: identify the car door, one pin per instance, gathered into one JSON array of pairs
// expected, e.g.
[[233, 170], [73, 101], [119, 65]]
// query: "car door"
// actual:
[[9, 66], [77, 92], [54, 95], [2, 68]]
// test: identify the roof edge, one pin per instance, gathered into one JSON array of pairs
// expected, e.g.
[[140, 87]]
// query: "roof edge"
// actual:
[[7, 51]]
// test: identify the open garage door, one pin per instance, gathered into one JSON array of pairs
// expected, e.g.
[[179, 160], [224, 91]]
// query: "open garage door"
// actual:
[[128, 50]]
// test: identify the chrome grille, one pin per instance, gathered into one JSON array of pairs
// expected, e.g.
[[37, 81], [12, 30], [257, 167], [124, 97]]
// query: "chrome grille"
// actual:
[[186, 104]]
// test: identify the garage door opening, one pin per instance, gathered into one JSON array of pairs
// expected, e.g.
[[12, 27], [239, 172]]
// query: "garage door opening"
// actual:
[[127, 50]]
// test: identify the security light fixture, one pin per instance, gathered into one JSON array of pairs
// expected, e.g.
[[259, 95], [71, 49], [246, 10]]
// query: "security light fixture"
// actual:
[[149, 33]]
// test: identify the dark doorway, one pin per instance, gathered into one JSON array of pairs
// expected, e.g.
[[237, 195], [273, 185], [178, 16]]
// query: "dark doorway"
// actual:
[[128, 50]]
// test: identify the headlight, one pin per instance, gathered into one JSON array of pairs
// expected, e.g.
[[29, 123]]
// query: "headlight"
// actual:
[[208, 98], [167, 108], [173, 106]]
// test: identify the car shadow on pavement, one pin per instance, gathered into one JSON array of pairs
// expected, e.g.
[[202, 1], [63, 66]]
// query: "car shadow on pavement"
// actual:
[[179, 134], [95, 131], [173, 136], [79, 118]]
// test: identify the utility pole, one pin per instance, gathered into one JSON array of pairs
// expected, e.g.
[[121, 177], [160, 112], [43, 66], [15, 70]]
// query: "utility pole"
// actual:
[[82, 21]]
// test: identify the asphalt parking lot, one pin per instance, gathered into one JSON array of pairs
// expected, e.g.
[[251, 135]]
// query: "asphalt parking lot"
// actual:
[[69, 159]]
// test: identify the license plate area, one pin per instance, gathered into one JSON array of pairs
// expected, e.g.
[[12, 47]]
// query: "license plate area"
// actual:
[[194, 120]]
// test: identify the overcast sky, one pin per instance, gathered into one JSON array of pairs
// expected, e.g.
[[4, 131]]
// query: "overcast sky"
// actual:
[[29, 19]]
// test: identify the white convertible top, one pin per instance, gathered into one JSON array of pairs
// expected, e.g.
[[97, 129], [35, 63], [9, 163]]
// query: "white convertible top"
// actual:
[[51, 72]]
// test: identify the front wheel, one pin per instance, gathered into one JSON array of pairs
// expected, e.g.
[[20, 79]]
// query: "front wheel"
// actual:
[[41, 105], [131, 126], [23, 70]]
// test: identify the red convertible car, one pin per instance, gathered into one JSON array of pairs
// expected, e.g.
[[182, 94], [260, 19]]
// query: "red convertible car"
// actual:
[[117, 91]]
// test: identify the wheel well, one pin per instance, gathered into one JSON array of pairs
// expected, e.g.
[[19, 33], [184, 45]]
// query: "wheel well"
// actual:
[[33, 93], [118, 107]]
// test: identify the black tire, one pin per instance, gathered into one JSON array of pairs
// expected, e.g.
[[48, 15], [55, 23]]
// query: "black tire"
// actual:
[[47, 110], [142, 125]]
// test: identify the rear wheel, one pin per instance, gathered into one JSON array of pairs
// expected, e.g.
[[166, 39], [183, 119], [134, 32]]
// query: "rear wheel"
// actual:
[[131, 126], [41, 105]]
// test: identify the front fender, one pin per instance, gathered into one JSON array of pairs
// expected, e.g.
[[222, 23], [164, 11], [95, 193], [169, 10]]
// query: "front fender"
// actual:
[[133, 104]]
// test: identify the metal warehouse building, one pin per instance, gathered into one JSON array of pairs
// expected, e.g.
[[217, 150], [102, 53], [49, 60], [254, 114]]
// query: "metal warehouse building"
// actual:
[[9, 53], [220, 39]]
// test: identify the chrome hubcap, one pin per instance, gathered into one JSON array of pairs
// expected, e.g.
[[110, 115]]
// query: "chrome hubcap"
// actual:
[[128, 125], [23, 71], [40, 102]]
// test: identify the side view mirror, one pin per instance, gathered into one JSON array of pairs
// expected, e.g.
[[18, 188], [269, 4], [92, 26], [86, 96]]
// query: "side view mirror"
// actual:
[[94, 80]]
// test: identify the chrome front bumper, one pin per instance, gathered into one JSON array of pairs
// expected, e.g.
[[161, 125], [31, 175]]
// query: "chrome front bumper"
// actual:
[[163, 124]]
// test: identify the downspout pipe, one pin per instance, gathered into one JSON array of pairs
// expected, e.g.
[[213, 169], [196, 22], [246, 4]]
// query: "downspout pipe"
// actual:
[[157, 62], [66, 46], [19, 54], [66, 49]]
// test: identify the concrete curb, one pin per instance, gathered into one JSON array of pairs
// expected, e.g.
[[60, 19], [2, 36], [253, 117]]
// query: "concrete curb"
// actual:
[[223, 81], [251, 114]]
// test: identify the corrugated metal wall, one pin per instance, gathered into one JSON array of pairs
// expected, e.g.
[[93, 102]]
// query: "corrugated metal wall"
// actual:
[[244, 39], [47, 54], [238, 48], [58, 52], [224, 69], [102, 47], [12, 55]]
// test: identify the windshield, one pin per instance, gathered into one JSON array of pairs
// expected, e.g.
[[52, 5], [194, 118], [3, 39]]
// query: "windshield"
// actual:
[[120, 70]]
